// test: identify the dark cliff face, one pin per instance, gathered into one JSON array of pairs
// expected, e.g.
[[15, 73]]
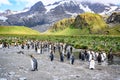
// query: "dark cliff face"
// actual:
[[38, 7], [114, 18], [72, 7], [96, 7]]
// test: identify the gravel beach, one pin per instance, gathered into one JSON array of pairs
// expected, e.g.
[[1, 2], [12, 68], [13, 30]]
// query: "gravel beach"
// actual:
[[14, 66]]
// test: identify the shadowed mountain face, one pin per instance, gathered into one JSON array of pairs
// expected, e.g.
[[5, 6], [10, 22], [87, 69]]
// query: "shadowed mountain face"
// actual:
[[114, 18], [38, 7], [41, 15]]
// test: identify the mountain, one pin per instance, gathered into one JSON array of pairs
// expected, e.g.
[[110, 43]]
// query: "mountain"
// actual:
[[10, 12], [17, 30], [40, 15]]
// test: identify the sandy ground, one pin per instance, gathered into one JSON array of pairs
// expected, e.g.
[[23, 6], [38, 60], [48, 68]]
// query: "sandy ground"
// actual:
[[15, 66]]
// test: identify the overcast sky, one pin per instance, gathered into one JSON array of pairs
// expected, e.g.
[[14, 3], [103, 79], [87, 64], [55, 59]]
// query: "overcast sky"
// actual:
[[21, 4]]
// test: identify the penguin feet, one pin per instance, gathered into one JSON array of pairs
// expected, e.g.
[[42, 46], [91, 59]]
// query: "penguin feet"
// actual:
[[36, 69], [32, 70]]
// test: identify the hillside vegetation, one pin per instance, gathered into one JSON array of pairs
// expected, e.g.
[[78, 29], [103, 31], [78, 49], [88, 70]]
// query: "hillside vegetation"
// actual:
[[93, 22], [87, 23], [84, 24], [114, 30], [62, 24], [17, 30]]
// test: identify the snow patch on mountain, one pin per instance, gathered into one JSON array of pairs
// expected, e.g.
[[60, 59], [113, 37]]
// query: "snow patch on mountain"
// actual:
[[109, 10], [49, 7], [72, 14], [17, 12], [112, 8], [3, 18], [85, 8], [64, 2], [32, 15]]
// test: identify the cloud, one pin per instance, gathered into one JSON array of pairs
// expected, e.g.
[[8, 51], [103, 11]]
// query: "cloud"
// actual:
[[109, 1], [45, 2], [29, 3], [5, 2], [103, 1], [32, 2], [49, 1]]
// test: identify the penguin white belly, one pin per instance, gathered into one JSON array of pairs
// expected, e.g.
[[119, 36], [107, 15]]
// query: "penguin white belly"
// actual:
[[32, 64], [0, 45], [90, 57], [38, 51], [92, 64]]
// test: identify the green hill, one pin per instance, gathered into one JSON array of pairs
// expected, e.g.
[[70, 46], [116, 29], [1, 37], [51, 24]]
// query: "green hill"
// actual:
[[114, 30], [17, 30], [61, 25], [93, 22], [114, 24], [87, 23]]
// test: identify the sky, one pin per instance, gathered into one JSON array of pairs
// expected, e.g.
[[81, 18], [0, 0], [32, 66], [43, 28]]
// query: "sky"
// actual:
[[17, 5]]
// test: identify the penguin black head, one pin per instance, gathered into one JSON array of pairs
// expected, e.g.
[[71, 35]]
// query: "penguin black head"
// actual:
[[31, 56]]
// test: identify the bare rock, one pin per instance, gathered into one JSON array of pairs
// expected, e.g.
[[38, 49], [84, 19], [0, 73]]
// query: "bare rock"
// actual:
[[3, 79], [11, 73], [22, 78]]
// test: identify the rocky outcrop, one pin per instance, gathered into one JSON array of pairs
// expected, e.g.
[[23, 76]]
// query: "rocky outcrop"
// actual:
[[114, 18], [38, 7]]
